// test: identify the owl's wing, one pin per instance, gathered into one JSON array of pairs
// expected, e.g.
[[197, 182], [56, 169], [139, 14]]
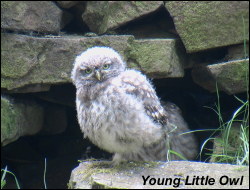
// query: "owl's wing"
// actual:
[[136, 84]]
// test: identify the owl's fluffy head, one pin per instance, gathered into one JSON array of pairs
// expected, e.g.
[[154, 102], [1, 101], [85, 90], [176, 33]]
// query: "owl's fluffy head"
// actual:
[[95, 65]]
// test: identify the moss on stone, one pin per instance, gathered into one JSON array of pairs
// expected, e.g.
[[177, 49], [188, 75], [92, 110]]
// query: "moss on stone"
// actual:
[[201, 26], [9, 127], [158, 58], [28, 60], [14, 63], [19, 118], [232, 76], [120, 12], [236, 71], [89, 168], [7, 4], [107, 167]]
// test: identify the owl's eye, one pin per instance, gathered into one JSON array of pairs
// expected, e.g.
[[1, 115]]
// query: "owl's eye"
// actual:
[[88, 71], [106, 66]]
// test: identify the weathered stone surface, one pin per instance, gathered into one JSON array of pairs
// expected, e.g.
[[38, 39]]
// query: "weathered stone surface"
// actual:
[[231, 77], [96, 16], [204, 25], [28, 60], [158, 58], [19, 119], [67, 4], [101, 16], [180, 174], [40, 16]]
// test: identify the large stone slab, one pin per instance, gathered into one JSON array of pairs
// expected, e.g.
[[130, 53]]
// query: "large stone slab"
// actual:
[[101, 16], [154, 175], [40, 16], [19, 118], [28, 60], [208, 24], [232, 77], [31, 64]]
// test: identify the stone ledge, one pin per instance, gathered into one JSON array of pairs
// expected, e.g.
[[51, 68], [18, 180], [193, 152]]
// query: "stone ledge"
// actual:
[[231, 77], [97, 174], [29, 61]]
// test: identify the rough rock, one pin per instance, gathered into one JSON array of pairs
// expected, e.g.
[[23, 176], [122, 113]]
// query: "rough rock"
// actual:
[[28, 60], [39, 16], [201, 26], [158, 58], [180, 174], [19, 118], [231, 77], [101, 16], [96, 16]]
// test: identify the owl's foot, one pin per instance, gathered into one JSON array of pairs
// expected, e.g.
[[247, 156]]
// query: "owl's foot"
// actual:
[[118, 159]]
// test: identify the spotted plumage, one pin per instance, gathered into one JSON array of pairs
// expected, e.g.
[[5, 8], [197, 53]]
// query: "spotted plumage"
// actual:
[[119, 111]]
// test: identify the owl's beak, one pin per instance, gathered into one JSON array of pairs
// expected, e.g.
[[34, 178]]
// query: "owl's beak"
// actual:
[[98, 75]]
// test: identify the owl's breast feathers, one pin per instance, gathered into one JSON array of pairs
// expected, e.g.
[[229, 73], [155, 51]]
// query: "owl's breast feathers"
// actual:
[[137, 84]]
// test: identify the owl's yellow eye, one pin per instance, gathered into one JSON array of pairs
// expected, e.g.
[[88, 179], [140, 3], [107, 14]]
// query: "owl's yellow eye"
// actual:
[[88, 71], [106, 66]]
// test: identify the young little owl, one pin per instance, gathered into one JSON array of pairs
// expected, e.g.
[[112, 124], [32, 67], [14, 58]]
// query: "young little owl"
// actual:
[[118, 110]]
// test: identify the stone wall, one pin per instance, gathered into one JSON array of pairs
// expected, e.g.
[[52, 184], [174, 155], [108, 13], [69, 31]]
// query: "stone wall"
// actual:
[[40, 40], [39, 45]]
